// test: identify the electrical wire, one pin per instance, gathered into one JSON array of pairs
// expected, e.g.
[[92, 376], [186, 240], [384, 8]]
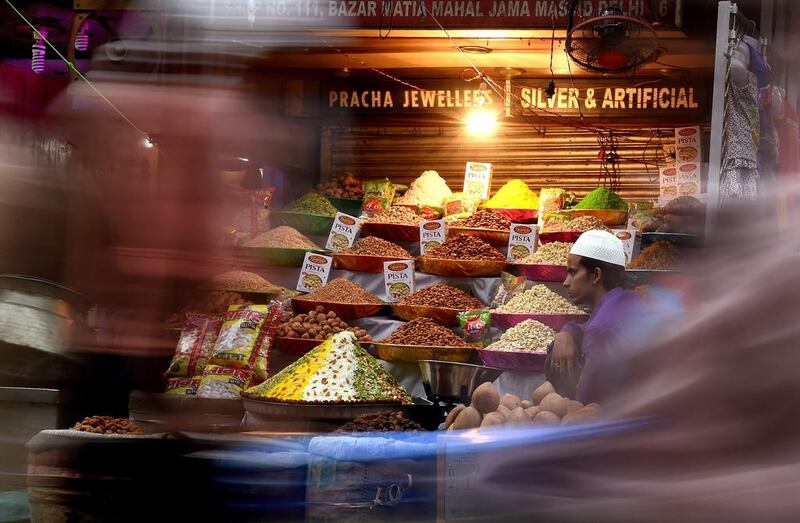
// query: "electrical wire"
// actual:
[[366, 65], [391, 20], [80, 75]]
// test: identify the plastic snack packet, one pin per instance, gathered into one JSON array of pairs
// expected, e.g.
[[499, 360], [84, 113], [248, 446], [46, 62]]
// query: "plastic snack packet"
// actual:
[[182, 386], [378, 196], [223, 382], [198, 337], [238, 335], [476, 326], [510, 285]]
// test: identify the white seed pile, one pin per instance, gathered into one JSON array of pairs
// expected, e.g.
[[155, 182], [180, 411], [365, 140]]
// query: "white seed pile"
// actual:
[[528, 336], [539, 299]]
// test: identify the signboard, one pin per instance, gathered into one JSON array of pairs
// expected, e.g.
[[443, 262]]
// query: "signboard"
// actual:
[[415, 14], [588, 97]]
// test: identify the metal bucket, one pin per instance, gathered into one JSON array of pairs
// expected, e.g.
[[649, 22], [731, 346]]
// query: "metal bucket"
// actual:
[[39, 322]]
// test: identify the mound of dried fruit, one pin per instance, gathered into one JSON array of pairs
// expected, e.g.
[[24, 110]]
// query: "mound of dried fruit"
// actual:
[[426, 332], [108, 425], [338, 371], [346, 185], [381, 422], [319, 325], [397, 214], [283, 237], [464, 247], [484, 219], [242, 281], [341, 291], [374, 246], [528, 336], [441, 295], [579, 224], [661, 255], [553, 253], [539, 299]]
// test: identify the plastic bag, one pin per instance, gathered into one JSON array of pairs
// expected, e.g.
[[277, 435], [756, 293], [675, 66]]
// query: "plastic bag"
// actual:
[[182, 386], [223, 382], [476, 326], [378, 196], [510, 286], [260, 362], [198, 337], [551, 200], [239, 335]]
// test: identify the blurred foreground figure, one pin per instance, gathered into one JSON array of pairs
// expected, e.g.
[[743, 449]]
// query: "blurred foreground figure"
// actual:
[[722, 389]]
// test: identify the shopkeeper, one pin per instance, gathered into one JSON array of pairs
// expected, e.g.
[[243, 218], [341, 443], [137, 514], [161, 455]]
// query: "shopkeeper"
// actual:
[[586, 360]]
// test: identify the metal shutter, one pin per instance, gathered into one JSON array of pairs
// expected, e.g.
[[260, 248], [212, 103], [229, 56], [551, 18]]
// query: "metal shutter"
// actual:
[[550, 157]]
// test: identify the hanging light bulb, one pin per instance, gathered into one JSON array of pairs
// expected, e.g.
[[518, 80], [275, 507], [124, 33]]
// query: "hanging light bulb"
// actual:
[[148, 142], [82, 38], [39, 50], [481, 121]]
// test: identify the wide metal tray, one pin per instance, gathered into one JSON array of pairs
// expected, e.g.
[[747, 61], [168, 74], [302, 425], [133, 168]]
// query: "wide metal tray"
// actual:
[[415, 353]]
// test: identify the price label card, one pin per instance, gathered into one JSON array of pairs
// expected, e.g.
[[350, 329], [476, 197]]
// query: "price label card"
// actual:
[[432, 234], [314, 272], [628, 238], [522, 241], [343, 233], [398, 277], [478, 180], [688, 156], [668, 184]]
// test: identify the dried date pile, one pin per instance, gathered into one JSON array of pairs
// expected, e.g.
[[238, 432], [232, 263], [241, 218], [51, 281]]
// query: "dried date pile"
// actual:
[[382, 422], [374, 246], [425, 331], [108, 425], [463, 247], [441, 295], [319, 325], [485, 219], [346, 185], [342, 291]]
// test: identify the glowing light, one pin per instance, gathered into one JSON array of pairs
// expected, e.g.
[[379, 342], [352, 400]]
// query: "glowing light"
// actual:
[[149, 143], [39, 51], [481, 122], [243, 159]]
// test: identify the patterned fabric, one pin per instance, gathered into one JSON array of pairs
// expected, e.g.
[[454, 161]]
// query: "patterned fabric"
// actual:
[[739, 177]]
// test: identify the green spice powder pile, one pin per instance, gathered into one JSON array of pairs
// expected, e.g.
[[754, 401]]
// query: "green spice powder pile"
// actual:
[[312, 204], [602, 198]]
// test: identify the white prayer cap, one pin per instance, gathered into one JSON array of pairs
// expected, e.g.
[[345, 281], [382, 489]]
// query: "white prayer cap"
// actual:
[[600, 245]]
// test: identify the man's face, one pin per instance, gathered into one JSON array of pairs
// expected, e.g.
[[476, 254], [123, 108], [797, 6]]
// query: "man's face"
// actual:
[[579, 281]]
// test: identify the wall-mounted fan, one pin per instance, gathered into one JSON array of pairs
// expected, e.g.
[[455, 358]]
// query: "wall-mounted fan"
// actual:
[[611, 42]]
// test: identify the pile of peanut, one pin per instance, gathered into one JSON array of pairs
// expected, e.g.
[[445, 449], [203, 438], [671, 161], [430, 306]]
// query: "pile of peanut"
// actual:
[[108, 425]]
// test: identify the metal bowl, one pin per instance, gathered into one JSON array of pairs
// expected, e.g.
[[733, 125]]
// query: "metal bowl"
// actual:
[[450, 381]]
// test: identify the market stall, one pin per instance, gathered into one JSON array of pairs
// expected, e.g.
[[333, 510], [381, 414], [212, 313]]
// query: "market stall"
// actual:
[[412, 284]]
